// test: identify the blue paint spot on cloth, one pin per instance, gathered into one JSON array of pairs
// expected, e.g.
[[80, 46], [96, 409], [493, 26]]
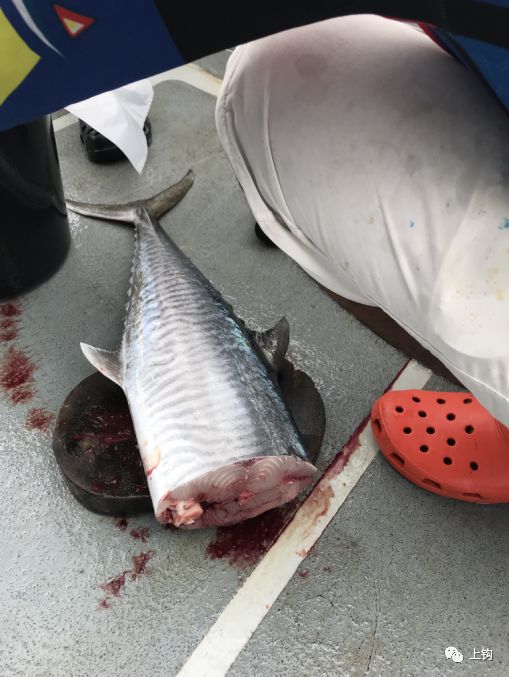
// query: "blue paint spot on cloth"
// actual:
[[412, 224], [504, 225]]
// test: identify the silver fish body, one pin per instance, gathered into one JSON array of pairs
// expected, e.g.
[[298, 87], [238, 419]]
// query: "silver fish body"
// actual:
[[217, 442]]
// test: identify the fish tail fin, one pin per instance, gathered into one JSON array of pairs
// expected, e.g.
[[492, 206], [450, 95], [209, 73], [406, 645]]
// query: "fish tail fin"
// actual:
[[156, 205], [125, 213], [169, 197]]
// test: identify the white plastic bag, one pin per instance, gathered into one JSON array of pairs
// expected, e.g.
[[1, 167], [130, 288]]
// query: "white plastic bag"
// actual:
[[119, 115]]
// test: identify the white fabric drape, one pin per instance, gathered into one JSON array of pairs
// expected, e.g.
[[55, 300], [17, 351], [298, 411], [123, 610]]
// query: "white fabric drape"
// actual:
[[381, 165]]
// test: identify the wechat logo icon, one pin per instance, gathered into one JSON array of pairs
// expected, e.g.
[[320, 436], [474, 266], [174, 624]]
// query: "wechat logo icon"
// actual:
[[454, 654]]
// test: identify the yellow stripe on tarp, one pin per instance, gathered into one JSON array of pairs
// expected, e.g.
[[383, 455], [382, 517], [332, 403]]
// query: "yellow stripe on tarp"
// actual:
[[16, 59]]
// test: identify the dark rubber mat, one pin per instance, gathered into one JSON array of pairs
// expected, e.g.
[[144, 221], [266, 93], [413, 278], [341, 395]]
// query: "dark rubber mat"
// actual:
[[95, 445]]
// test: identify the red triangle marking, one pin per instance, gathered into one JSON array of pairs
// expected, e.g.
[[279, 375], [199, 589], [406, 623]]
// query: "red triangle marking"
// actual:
[[73, 23]]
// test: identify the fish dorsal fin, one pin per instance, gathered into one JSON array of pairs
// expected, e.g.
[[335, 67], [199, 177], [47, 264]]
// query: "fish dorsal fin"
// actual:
[[105, 361], [274, 342]]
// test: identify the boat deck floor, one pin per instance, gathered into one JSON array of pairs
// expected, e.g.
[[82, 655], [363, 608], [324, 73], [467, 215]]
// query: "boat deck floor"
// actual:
[[397, 576]]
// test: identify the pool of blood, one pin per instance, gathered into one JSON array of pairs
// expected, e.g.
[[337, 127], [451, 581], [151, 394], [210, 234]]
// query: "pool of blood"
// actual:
[[244, 544]]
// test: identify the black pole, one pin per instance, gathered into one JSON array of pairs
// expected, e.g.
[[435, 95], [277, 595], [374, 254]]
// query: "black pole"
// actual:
[[34, 230]]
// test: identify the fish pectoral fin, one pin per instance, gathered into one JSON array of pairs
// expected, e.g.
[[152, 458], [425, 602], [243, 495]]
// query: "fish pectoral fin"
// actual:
[[274, 342], [105, 361]]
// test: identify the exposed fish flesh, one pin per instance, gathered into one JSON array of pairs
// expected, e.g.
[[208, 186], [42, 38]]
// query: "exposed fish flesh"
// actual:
[[217, 442]]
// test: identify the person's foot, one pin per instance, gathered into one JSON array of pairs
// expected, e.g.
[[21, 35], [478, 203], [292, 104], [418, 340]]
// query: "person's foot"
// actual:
[[262, 237], [447, 443], [100, 149]]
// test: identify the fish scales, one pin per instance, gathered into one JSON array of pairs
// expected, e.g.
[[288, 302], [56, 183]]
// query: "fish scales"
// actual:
[[217, 442], [232, 384]]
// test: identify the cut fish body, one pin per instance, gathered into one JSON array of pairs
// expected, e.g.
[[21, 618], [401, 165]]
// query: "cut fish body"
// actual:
[[217, 442]]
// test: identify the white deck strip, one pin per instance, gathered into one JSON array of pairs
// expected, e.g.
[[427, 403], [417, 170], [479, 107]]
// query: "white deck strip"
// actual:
[[217, 651], [191, 73]]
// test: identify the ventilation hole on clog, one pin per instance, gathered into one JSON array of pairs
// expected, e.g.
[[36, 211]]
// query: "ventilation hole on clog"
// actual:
[[422, 414], [430, 430], [400, 410], [424, 448], [474, 465], [473, 496], [432, 483], [378, 425], [451, 417], [447, 460], [398, 458], [416, 399], [468, 400], [440, 401], [469, 429], [407, 431], [451, 442]]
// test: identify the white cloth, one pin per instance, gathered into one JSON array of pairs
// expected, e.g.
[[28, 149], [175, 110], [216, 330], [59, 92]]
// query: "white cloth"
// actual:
[[381, 165], [120, 115]]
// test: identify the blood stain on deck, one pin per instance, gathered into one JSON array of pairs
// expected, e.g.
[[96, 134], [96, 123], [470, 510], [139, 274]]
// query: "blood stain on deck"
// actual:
[[9, 319], [39, 419], [140, 563], [244, 544], [16, 375], [142, 534], [115, 585]]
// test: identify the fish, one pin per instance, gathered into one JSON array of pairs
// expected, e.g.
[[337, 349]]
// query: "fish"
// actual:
[[217, 442]]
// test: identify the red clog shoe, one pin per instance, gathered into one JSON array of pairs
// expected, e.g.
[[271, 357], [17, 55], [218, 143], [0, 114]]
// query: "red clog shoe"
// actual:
[[447, 443]]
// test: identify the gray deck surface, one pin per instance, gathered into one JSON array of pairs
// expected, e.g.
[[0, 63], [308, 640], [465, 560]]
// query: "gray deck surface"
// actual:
[[399, 574]]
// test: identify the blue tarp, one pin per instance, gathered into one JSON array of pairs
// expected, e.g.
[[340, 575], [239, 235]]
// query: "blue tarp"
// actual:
[[54, 54], [111, 44]]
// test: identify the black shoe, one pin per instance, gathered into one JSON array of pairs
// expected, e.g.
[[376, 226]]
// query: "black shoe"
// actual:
[[262, 237], [100, 149]]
